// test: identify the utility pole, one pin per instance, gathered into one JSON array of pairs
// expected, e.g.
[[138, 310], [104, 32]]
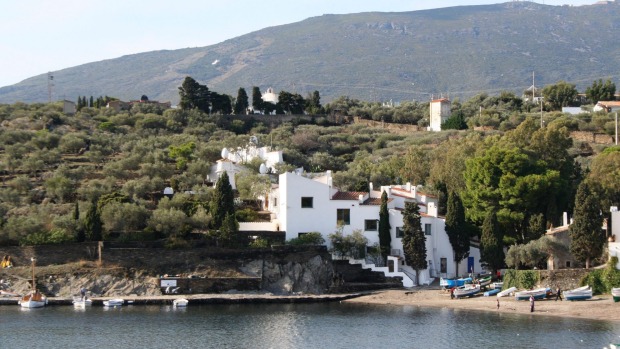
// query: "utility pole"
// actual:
[[541, 113], [50, 84], [616, 128]]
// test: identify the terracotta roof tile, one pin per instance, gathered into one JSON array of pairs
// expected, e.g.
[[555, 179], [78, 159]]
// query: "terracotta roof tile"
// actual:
[[348, 195]]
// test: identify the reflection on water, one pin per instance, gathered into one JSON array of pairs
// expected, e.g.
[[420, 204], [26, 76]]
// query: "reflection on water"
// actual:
[[327, 325]]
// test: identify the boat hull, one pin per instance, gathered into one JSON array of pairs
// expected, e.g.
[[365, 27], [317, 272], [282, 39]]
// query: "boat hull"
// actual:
[[466, 292], [180, 303], [578, 294], [449, 283], [34, 300], [615, 292], [538, 294], [113, 303]]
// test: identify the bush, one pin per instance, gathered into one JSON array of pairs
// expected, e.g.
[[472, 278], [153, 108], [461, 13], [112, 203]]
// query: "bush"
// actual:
[[56, 236], [603, 280], [522, 279], [353, 246], [313, 238], [247, 215], [259, 243]]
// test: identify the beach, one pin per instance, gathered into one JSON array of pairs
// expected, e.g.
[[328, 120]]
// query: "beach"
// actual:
[[600, 307]]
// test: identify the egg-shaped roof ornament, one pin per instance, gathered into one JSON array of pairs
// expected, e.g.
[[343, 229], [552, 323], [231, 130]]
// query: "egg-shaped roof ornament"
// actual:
[[224, 153]]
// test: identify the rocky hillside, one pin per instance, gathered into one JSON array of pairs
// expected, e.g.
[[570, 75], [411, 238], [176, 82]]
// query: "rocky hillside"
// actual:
[[371, 56]]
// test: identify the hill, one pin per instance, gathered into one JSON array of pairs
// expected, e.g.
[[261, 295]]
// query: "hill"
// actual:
[[371, 56]]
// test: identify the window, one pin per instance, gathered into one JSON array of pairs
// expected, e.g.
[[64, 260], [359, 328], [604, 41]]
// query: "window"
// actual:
[[568, 264], [306, 202], [399, 232], [275, 202], [443, 265], [371, 224], [427, 229], [343, 216]]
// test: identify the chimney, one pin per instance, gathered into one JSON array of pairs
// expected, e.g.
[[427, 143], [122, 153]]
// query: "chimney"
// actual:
[[408, 186], [361, 199], [565, 219], [370, 186], [389, 191]]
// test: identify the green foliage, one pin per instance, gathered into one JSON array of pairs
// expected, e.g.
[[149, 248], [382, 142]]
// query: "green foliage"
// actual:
[[53, 237], [603, 280], [241, 102], [385, 236], [194, 95], [414, 241], [491, 246], [587, 237], [312, 238], [560, 94], [182, 153], [247, 215], [93, 227], [600, 91], [222, 202], [456, 228], [260, 243], [521, 279], [349, 246]]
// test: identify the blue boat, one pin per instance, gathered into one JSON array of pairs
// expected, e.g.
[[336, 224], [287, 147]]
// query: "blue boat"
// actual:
[[450, 283], [466, 291], [491, 292]]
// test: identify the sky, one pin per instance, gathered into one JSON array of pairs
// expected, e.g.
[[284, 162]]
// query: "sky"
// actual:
[[40, 36]]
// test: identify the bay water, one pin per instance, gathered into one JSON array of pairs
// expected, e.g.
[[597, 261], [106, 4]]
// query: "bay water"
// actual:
[[318, 325]]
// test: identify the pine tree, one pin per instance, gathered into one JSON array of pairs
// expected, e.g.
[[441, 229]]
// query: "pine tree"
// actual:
[[228, 231], [91, 102], [457, 229], [222, 202], [587, 237], [385, 237], [414, 241], [241, 103], [92, 224], [491, 246]]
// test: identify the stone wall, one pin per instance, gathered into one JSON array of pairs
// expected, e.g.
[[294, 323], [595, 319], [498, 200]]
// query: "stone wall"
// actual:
[[591, 137], [566, 279], [52, 254], [404, 128]]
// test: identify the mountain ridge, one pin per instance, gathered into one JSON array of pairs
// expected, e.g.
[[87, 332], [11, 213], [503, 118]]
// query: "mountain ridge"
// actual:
[[459, 51]]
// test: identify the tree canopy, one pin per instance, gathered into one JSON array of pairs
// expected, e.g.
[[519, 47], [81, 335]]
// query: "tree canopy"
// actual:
[[414, 241]]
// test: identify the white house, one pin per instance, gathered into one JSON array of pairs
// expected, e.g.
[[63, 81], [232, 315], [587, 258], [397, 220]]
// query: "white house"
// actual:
[[608, 106], [270, 96], [439, 113], [303, 204]]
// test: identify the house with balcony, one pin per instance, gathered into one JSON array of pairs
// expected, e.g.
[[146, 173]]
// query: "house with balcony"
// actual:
[[304, 203]]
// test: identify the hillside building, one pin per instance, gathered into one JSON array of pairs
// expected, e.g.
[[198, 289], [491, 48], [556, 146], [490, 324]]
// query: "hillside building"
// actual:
[[439, 113], [303, 204], [270, 96]]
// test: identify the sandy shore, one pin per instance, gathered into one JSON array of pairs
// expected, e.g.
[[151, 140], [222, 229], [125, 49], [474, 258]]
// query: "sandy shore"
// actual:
[[600, 307]]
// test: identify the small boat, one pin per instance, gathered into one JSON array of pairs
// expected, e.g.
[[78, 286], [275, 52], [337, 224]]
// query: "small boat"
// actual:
[[466, 291], [578, 294], [491, 292], [79, 302], [497, 285], [34, 299], [507, 291], [615, 292], [180, 302], [450, 283], [486, 281], [116, 302], [539, 293]]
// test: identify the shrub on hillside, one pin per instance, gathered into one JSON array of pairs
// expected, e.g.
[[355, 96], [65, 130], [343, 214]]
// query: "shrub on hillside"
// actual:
[[313, 238]]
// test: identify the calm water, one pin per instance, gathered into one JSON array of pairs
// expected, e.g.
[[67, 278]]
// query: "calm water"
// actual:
[[317, 326]]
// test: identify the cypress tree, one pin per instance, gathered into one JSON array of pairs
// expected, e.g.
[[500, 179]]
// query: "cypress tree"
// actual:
[[414, 241], [257, 99], [241, 103], [80, 236], [92, 224], [587, 237], [222, 202], [385, 238], [456, 229], [491, 246]]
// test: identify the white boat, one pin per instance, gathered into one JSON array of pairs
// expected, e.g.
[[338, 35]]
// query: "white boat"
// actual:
[[578, 294], [79, 302], [180, 302], [539, 293], [506, 292], [116, 302], [466, 291], [34, 299], [615, 292], [497, 285]]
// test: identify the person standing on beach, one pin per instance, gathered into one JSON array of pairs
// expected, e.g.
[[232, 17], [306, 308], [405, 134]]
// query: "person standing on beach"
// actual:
[[498, 304], [558, 294], [531, 304]]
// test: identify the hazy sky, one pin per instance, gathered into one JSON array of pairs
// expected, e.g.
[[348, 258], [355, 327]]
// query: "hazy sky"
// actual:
[[42, 35]]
